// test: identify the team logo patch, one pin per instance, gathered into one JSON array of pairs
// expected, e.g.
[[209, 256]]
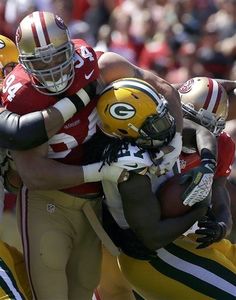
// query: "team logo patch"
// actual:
[[122, 111], [186, 87], [51, 208], [18, 34], [60, 23]]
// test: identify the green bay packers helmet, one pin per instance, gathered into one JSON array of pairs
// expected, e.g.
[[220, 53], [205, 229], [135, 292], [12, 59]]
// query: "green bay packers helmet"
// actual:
[[46, 52], [205, 101], [131, 109], [8, 56]]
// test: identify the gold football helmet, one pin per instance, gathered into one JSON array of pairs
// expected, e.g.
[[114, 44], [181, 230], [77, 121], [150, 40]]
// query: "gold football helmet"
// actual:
[[8, 56], [131, 108], [46, 52], [205, 101]]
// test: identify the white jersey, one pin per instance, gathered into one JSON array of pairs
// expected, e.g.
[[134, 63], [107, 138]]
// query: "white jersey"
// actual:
[[134, 159]]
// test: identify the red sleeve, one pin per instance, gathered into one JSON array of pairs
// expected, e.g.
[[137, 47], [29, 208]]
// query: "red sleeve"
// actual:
[[226, 151]]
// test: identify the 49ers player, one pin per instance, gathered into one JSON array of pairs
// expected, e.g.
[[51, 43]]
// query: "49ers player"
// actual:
[[205, 101], [52, 201]]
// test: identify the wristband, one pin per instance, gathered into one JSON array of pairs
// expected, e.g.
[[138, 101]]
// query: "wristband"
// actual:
[[208, 157], [66, 108], [98, 171], [92, 173]]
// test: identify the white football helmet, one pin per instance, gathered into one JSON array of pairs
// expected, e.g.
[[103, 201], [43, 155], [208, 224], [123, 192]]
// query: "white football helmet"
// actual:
[[205, 101], [46, 52], [131, 108]]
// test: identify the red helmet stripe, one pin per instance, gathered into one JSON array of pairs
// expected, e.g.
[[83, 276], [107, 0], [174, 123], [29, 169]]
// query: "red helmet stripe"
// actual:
[[44, 27], [210, 91], [34, 31], [217, 100]]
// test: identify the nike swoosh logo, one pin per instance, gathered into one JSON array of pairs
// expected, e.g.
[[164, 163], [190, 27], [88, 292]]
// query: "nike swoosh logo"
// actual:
[[87, 76], [132, 166]]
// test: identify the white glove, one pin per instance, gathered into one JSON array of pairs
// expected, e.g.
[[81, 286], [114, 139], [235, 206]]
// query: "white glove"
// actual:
[[97, 172], [201, 179], [170, 158]]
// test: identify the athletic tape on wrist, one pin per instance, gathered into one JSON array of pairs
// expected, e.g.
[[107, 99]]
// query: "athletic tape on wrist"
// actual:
[[66, 108]]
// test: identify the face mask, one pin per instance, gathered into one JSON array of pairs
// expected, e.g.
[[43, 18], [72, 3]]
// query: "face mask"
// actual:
[[57, 86]]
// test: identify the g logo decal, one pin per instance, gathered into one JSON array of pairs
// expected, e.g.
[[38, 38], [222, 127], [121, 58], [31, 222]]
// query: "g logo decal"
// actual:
[[122, 111]]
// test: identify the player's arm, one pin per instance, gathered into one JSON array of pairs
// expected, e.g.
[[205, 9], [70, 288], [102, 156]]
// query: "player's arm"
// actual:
[[217, 224], [142, 212], [33, 129], [30, 130], [199, 137], [200, 178], [221, 202], [38, 172]]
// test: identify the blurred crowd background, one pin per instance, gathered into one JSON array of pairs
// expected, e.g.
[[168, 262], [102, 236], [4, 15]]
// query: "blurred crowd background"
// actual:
[[177, 39]]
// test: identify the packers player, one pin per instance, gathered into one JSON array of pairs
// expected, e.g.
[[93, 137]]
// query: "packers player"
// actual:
[[173, 271]]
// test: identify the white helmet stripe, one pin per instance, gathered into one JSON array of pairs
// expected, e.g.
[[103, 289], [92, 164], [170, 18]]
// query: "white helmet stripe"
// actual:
[[39, 29], [214, 96], [139, 85]]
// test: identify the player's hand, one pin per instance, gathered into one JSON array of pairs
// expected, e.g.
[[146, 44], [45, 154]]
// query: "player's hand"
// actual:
[[171, 157], [211, 231], [200, 182]]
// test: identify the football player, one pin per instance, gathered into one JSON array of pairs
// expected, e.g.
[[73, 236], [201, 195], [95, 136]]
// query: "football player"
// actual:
[[174, 271], [205, 102], [13, 275], [52, 66]]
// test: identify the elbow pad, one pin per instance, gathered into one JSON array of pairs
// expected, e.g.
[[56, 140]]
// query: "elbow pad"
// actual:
[[22, 132]]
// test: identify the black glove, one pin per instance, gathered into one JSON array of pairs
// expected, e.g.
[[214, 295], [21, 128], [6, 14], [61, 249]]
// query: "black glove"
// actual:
[[200, 181], [211, 230]]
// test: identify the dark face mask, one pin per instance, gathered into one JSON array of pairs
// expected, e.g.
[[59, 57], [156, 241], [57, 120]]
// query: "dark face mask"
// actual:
[[157, 131]]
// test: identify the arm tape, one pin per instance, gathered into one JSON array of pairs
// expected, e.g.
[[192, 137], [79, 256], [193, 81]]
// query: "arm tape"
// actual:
[[22, 132]]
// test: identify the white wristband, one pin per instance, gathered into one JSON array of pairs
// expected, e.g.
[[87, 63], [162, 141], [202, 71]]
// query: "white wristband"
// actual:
[[111, 173], [66, 108], [91, 172]]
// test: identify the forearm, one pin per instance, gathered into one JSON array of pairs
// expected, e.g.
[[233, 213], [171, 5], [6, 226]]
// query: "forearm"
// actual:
[[46, 174], [170, 229], [221, 206], [171, 94], [206, 141]]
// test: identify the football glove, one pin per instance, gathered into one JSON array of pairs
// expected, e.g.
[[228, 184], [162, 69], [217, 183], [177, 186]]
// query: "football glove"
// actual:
[[211, 231], [200, 182]]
